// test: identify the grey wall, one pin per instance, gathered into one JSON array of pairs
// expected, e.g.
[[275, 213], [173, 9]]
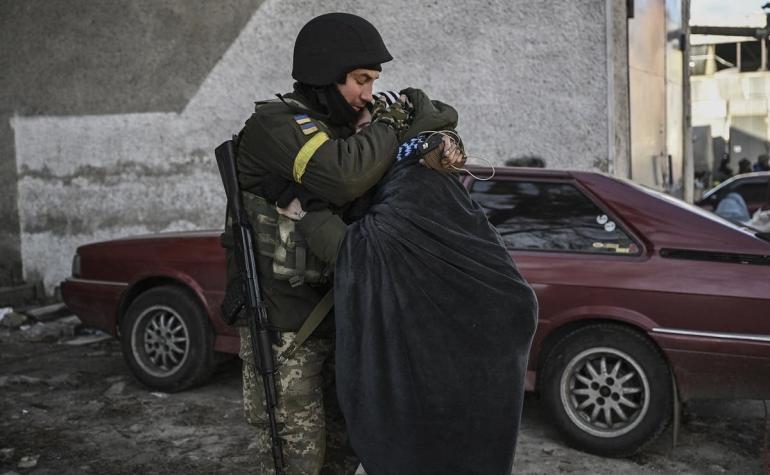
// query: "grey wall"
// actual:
[[119, 107], [74, 58]]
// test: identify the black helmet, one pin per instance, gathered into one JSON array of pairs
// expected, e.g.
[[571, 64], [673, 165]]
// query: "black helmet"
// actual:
[[331, 45]]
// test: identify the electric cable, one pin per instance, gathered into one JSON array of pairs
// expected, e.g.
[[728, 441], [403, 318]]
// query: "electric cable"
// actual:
[[457, 141]]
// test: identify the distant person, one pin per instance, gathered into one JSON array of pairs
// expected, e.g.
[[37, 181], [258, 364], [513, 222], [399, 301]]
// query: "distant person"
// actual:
[[531, 162], [762, 164], [724, 171], [744, 166], [733, 208]]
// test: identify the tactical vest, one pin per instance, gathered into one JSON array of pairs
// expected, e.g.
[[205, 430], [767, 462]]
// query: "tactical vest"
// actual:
[[279, 239]]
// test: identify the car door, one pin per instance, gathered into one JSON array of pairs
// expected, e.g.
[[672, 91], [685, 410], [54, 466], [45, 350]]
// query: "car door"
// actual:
[[576, 254]]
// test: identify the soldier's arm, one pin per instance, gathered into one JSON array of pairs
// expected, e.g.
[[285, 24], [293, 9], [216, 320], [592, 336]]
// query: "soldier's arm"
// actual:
[[338, 170], [323, 231]]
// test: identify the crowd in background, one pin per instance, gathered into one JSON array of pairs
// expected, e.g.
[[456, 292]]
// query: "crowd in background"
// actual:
[[744, 166]]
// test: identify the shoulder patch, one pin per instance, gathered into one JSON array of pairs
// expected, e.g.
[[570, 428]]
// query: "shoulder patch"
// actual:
[[305, 124]]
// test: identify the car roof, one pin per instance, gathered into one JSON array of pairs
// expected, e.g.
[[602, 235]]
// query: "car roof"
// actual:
[[758, 176]]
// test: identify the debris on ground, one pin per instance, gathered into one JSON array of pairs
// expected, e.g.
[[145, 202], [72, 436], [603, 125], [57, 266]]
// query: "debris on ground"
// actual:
[[88, 339], [28, 461], [115, 390], [51, 331], [6, 454], [76, 409], [48, 312], [11, 319], [18, 379]]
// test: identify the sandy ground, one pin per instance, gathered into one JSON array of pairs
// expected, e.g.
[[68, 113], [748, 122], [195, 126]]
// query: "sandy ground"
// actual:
[[75, 409]]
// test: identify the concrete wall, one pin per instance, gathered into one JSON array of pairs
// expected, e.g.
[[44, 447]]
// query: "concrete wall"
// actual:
[[128, 147], [655, 62], [75, 58], [647, 60]]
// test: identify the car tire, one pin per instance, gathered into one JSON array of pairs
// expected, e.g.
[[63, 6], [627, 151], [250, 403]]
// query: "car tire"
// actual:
[[167, 340], [608, 389]]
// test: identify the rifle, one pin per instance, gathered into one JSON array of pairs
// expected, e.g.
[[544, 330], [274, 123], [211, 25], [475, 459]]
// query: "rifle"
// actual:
[[261, 338]]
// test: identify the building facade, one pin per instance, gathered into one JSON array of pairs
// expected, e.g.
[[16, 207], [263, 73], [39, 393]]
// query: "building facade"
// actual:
[[110, 127]]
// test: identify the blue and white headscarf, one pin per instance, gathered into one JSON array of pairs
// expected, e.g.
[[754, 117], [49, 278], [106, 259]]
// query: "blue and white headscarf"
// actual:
[[406, 149]]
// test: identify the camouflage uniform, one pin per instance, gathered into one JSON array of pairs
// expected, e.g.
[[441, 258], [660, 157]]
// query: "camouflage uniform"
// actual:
[[283, 138], [308, 417]]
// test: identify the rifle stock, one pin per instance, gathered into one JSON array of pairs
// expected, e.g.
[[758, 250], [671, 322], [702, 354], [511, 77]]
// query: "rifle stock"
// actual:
[[259, 324]]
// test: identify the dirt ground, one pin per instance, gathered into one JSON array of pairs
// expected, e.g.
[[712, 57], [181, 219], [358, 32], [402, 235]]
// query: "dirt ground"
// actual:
[[67, 409]]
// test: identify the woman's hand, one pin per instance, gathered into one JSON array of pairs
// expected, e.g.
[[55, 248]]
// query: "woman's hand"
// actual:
[[293, 211], [452, 156]]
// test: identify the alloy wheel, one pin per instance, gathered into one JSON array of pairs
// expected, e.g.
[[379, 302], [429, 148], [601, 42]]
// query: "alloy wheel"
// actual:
[[160, 341], [605, 392]]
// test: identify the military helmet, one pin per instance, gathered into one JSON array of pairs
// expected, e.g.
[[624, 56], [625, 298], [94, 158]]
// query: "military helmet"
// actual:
[[331, 45]]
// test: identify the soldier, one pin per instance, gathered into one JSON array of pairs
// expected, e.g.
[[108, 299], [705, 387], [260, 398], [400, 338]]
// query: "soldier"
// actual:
[[308, 136]]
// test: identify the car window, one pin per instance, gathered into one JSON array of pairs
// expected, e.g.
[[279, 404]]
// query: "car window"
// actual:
[[550, 216], [752, 192]]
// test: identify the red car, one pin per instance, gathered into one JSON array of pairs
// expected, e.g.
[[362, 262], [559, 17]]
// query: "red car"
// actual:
[[644, 301]]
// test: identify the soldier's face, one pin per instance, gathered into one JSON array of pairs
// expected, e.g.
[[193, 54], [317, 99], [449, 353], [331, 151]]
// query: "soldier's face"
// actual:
[[358, 87]]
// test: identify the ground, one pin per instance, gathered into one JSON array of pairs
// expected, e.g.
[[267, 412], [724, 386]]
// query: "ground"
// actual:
[[68, 409]]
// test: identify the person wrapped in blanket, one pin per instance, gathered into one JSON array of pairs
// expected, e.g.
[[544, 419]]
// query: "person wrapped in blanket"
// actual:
[[433, 321]]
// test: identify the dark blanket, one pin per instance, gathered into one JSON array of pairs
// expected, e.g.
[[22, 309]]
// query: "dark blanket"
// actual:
[[434, 325]]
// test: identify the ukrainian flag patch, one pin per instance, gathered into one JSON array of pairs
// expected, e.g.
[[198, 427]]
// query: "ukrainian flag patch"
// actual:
[[305, 124]]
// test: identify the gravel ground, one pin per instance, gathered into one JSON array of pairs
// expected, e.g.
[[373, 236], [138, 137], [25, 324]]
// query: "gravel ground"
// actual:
[[68, 409]]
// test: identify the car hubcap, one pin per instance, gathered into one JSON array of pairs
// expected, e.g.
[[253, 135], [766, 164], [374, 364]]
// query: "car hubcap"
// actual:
[[605, 392], [160, 341]]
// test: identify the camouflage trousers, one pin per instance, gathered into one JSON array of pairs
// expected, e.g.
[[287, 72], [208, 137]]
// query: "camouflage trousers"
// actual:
[[310, 423]]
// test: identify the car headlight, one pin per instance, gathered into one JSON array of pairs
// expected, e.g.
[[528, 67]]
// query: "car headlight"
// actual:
[[76, 265]]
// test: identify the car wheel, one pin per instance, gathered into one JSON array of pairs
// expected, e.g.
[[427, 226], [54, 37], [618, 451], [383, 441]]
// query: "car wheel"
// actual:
[[167, 340], [608, 389]]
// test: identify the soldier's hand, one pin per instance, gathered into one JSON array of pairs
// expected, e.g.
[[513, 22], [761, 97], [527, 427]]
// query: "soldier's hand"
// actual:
[[397, 115], [293, 211]]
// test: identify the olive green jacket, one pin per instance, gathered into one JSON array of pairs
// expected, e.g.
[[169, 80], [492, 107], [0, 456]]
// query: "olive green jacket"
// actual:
[[324, 230], [289, 139]]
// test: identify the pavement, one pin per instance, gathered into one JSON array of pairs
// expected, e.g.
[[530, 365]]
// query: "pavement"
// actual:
[[68, 405]]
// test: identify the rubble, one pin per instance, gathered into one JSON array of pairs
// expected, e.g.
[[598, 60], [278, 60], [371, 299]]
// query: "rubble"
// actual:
[[6, 454], [64, 379], [49, 312], [51, 331], [76, 428], [13, 320], [18, 379], [88, 339], [115, 390], [28, 461]]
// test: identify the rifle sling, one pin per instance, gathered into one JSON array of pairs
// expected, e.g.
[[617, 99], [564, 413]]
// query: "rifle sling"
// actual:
[[312, 321]]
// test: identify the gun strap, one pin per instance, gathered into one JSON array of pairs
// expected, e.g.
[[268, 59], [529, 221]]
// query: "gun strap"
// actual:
[[312, 321]]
